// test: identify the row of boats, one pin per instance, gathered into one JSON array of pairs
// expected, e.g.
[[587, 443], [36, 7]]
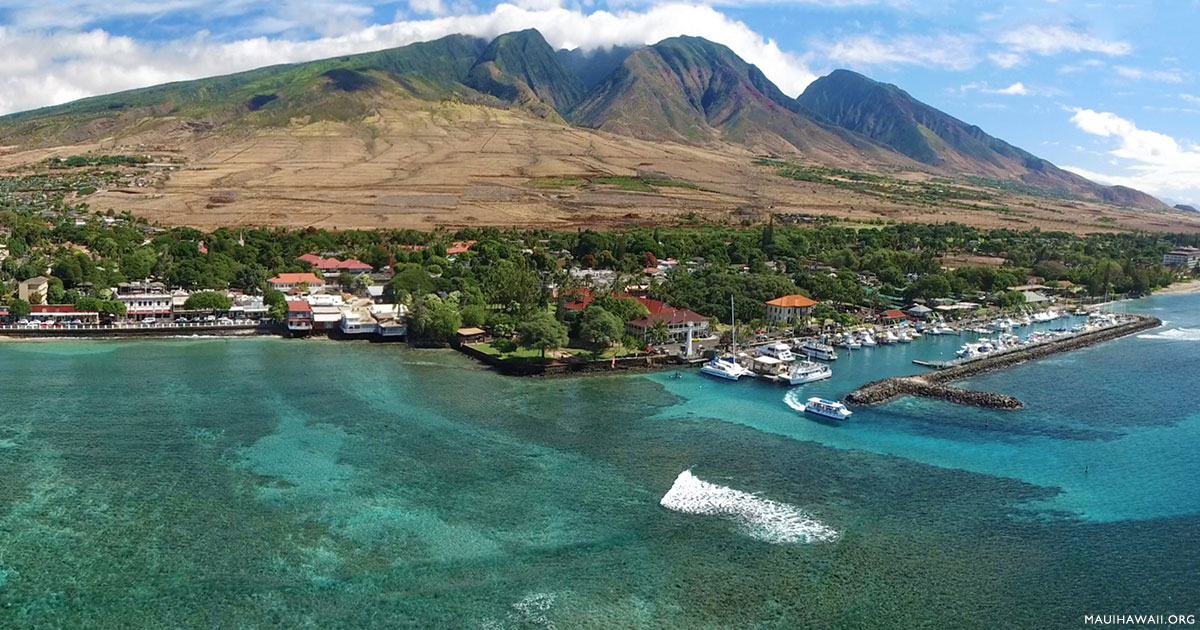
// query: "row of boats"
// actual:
[[1005, 341]]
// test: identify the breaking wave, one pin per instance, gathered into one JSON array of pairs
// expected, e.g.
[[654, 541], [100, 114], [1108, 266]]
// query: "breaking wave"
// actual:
[[795, 399], [763, 519], [1175, 334]]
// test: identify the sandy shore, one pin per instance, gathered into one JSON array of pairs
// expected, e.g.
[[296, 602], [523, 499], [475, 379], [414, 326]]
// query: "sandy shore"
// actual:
[[1181, 288]]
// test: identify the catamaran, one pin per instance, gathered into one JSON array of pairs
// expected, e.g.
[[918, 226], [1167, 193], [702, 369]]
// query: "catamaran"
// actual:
[[727, 367], [827, 408]]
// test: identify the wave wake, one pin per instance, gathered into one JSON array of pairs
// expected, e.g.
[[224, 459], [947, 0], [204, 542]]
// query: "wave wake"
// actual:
[[762, 519], [1175, 334]]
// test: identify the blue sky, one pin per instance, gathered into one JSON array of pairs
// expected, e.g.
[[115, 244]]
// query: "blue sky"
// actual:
[[1109, 90]]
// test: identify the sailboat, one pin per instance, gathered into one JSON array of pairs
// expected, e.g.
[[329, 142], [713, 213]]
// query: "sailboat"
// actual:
[[727, 367]]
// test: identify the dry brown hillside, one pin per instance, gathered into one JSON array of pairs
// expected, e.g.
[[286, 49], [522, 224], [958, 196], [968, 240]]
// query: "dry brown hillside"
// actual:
[[442, 164]]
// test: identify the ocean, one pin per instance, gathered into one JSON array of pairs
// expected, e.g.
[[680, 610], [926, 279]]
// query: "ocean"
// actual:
[[267, 483]]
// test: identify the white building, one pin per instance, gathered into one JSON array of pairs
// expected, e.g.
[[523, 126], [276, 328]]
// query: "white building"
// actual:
[[1188, 257]]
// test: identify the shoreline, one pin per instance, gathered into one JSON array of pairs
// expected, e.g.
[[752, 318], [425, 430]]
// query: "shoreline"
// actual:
[[1180, 288], [936, 385]]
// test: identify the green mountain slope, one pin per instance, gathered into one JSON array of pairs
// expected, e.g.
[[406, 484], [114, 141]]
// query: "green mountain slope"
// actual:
[[522, 68], [892, 117], [689, 89]]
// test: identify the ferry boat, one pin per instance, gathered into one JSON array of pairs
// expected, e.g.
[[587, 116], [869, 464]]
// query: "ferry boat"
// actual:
[[818, 350], [726, 368], [777, 350], [827, 408]]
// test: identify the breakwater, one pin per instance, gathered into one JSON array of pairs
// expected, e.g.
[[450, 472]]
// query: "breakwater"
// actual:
[[937, 384]]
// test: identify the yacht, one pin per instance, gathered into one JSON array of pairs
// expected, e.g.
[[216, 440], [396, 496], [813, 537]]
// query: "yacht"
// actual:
[[807, 372], [886, 338], [903, 336], [827, 408], [941, 329], [818, 350], [726, 368], [777, 350], [866, 339]]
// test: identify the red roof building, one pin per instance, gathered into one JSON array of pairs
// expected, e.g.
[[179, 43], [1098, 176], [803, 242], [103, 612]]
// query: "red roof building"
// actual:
[[583, 297], [790, 308], [677, 320], [893, 316], [288, 281], [299, 316], [335, 266]]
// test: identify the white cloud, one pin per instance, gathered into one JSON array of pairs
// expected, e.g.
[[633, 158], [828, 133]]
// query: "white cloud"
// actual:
[[1190, 98], [953, 52], [1052, 40], [1147, 160], [1080, 67], [1006, 59], [1017, 89], [39, 68], [1140, 74]]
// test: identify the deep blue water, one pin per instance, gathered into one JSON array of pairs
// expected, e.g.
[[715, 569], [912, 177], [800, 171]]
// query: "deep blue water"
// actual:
[[271, 483]]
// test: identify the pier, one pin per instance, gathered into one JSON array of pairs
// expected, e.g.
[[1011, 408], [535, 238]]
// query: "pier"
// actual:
[[937, 384]]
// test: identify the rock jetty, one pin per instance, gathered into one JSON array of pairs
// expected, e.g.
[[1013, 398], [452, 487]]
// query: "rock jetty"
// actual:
[[936, 384]]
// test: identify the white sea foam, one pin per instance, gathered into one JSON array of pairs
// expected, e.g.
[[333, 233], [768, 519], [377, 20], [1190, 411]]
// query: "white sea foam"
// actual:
[[794, 399], [1175, 334], [763, 519]]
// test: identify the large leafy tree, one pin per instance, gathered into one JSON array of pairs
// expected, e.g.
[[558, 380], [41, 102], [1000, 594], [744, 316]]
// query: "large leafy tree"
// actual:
[[600, 327], [542, 332]]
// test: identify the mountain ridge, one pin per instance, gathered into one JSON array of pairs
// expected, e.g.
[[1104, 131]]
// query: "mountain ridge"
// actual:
[[683, 89]]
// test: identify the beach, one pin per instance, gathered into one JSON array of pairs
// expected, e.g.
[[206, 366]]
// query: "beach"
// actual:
[[1181, 288]]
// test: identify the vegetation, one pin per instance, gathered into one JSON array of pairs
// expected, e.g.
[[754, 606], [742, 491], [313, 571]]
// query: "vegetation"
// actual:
[[620, 182], [208, 301]]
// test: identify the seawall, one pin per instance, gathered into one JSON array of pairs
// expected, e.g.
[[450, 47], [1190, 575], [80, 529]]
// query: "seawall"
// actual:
[[937, 384]]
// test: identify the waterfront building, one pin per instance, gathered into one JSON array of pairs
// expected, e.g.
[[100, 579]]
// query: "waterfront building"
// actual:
[[299, 316], [1187, 257], [62, 313], [34, 290], [677, 320], [1035, 297], [918, 311], [893, 316], [471, 334], [358, 323], [288, 281], [144, 299], [789, 308]]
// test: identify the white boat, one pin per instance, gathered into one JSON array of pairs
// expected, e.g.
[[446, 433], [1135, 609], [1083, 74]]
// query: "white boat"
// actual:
[[866, 339], [886, 338], [726, 368], [818, 350], [903, 336], [941, 329], [808, 372], [777, 350], [827, 408]]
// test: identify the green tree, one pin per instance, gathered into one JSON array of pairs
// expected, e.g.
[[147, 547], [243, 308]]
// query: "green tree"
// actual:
[[19, 308], [543, 332], [600, 327], [659, 332], [474, 315], [208, 301]]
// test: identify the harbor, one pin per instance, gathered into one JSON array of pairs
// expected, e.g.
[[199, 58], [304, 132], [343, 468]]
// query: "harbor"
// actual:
[[936, 385]]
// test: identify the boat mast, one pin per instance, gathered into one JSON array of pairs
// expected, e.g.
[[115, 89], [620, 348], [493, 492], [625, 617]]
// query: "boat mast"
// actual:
[[732, 324]]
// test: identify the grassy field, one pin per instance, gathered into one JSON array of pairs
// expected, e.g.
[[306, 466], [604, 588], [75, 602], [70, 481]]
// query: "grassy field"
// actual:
[[620, 182], [530, 355]]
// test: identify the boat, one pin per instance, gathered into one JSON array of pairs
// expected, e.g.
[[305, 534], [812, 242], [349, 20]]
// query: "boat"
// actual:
[[726, 368], [886, 338], [941, 329], [827, 408], [866, 339], [818, 350], [903, 336], [776, 371], [778, 350]]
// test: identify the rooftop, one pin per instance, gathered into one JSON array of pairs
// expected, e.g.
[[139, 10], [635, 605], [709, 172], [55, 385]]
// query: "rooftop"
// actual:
[[792, 301]]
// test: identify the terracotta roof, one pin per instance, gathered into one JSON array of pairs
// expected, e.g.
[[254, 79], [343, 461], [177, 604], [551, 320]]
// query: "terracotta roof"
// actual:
[[894, 313], [296, 278], [586, 297], [298, 306], [670, 316], [459, 247], [333, 264], [792, 301]]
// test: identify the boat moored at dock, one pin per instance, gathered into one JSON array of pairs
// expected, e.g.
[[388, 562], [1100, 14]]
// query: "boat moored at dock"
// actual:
[[818, 350], [726, 368]]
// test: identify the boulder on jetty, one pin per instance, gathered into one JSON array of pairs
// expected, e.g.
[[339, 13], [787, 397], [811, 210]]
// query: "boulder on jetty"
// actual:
[[936, 385]]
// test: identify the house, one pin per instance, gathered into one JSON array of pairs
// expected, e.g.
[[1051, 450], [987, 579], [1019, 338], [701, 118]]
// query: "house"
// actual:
[[789, 308], [326, 318], [678, 322], [299, 316], [288, 281], [459, 247], [34, 290], [358, 323], [1186, 257], [471, 335], [893, 316], [583, 297], [918, 311], [328, 266]]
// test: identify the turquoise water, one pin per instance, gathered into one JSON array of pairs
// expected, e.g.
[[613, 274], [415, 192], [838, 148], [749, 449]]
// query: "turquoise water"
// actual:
[[288, 484]]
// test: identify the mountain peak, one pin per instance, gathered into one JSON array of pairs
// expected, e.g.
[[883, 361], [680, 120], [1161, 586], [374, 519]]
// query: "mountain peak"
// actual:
[[520, 67]]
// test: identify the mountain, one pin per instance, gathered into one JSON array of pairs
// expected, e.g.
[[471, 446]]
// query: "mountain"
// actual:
[[1186, 208], [593, 66], [688, 89], [521, 68], [894, 118]]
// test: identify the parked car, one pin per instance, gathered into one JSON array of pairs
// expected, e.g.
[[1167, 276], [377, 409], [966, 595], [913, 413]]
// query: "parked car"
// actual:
[[23, 322], [210, 318], [148, 320], [181, 320], [224, 321]]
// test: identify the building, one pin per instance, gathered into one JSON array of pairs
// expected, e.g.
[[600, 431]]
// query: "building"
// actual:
[[334, 266], [789, 308], [358, 323], [471, 334], [144, 299], [299, 317], [1034, 297], [893, 316], [288, 281], [918, 311], [63, 313], [34, 290], [326, 318], [1187, 257], [677, 320]]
